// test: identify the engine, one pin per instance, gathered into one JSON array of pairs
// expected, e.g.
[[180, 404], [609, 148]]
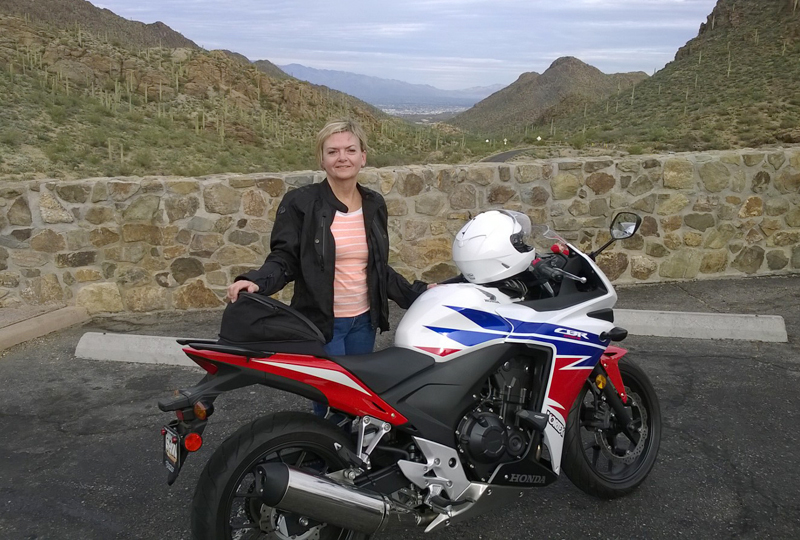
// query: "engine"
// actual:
[[490, 434]]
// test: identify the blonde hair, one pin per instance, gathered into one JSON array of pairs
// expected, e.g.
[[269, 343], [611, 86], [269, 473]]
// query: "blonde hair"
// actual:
[[340, 126]]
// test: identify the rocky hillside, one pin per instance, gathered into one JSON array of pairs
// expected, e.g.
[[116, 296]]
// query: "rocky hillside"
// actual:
[[529, 98], [100, 22], [76, 104], [735, 84]]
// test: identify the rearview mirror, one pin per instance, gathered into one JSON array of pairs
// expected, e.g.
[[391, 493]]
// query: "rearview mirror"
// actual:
[[625, 225]]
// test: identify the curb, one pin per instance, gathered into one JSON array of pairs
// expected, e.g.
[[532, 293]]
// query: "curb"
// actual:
[[41, 325], [680, 324], [132, 348], [166, 351]]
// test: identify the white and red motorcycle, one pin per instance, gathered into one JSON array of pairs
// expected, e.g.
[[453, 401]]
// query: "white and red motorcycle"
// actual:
[[497, 382]]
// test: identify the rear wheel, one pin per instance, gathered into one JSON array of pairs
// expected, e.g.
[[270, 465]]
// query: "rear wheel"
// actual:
[[225, 505], [598, 457]]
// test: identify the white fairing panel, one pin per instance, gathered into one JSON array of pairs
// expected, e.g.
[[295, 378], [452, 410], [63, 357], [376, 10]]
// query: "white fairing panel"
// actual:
[[438, 308]]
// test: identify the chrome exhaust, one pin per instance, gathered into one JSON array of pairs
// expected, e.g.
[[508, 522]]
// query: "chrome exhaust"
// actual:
[[321, 499]]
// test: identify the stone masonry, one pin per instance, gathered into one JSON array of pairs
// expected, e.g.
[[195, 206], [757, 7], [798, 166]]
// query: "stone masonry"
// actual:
[[169, 243]]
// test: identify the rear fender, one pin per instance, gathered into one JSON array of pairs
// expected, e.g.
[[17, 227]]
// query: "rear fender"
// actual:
[[610, 362]]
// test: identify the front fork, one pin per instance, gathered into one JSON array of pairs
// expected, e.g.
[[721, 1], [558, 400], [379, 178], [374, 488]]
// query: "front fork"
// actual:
[[614, 389]]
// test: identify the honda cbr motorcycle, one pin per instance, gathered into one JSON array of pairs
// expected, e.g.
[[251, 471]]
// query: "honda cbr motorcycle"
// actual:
[[492, 389]]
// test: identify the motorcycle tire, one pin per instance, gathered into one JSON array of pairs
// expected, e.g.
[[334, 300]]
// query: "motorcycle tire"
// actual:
[[224, 507], [603, 462]]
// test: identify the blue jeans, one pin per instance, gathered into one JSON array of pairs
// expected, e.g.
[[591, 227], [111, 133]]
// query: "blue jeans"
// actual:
[[351, 335]]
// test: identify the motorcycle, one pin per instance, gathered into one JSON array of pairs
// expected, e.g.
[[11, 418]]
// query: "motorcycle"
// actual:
[[492, 389]]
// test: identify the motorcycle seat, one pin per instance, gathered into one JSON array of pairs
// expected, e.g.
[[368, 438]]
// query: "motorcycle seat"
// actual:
[[384, 369]]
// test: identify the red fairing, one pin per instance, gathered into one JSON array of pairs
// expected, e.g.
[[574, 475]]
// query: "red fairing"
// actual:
[[610, 362], [569, 375], [343, 390]]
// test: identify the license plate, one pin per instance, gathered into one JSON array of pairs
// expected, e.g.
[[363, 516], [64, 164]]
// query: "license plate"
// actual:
[[172, 450]]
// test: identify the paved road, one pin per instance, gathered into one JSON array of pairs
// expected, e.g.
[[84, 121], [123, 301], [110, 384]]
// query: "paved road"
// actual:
[[80, 442], [505, 156]]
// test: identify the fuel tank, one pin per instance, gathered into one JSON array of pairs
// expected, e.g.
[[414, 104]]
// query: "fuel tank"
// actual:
[[449, 318]]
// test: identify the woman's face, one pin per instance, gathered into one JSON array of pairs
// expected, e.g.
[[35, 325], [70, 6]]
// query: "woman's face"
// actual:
[[342, 156]]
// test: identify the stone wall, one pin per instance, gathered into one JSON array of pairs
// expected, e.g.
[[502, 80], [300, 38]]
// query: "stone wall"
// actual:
[[163, 243]]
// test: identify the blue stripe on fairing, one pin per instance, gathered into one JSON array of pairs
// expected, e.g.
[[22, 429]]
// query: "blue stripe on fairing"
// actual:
[[466, 337], [522, 327], [509, 328], [486, 320]]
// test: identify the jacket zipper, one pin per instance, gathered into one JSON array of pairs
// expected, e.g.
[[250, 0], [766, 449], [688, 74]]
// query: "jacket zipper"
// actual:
[[323, 235], [378, 257]]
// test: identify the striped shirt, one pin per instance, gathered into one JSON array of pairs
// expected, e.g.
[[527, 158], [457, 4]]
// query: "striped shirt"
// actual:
[[350, 275]]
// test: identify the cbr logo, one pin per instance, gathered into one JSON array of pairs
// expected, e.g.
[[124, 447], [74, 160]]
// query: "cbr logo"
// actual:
[[557, 424], [526, 478], [574, 334]]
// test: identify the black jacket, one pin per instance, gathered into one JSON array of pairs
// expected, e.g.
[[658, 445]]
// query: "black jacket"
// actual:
[[302, 250]]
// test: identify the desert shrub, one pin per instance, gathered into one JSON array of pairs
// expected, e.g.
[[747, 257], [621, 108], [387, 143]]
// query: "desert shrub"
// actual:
[[578, 141], [135, 116], [97, 137], [94, 118], [12, 137], [58, 114], [635, 150], [143, 158]]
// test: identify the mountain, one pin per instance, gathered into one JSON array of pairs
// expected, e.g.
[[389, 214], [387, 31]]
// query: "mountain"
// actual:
[[532, 96], [271, 69], [733, 85], [101, 22], [389, 93], [77, 104]]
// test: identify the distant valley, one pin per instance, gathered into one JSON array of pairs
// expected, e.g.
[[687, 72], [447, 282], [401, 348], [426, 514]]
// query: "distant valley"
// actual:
[[395, 97]]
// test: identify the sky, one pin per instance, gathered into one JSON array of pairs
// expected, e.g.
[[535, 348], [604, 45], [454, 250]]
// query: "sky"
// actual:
[[449, 44]]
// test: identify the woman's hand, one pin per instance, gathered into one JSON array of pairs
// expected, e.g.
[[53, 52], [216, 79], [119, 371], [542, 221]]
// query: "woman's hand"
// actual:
[[237, 286]]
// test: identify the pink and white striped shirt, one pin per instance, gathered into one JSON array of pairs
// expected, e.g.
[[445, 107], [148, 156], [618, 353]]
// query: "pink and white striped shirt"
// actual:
[[350, 296]]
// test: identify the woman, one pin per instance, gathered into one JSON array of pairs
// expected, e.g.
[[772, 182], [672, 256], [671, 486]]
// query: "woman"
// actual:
[[331, 239]]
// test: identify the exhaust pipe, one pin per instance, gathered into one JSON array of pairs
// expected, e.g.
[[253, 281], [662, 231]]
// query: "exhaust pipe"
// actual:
[[321, 499]]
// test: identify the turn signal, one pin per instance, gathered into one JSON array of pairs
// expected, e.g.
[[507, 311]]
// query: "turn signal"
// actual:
[[193, 442], [600, 381], [203, 410]]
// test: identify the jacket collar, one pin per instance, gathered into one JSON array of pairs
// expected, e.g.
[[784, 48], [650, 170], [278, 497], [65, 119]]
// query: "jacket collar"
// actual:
[[367, 199]]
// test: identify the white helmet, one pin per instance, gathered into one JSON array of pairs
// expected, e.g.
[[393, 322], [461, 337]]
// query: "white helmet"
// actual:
[[493, 246]]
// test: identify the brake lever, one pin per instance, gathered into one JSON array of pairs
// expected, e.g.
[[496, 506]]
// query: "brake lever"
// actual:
[[571, 276]]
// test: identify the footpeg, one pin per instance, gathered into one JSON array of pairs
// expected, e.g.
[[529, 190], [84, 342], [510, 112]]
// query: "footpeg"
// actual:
[[350, 457]]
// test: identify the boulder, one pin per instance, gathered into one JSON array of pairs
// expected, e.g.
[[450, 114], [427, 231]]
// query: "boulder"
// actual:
[[52, 211], [195, 295], [100, 298]]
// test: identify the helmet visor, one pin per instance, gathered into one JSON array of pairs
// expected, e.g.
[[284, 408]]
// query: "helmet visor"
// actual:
[[521, 238]]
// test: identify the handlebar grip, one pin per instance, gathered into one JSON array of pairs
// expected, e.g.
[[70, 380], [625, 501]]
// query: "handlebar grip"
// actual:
[[544, 270]]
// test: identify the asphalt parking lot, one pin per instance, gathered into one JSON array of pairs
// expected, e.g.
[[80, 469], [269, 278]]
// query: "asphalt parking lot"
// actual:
[[80, 443]]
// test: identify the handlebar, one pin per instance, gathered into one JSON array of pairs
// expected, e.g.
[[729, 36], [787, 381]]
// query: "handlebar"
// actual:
[[543, 270]]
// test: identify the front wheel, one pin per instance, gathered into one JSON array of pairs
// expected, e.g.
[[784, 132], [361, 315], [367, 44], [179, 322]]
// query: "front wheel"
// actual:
[[598, 457], [225, 505]]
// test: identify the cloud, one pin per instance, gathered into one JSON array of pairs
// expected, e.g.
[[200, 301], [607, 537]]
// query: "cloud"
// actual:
[[446, 43]]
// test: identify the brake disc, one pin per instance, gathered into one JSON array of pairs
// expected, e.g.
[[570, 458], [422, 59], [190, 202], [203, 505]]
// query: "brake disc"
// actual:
[[630, 454], [274, 521]]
